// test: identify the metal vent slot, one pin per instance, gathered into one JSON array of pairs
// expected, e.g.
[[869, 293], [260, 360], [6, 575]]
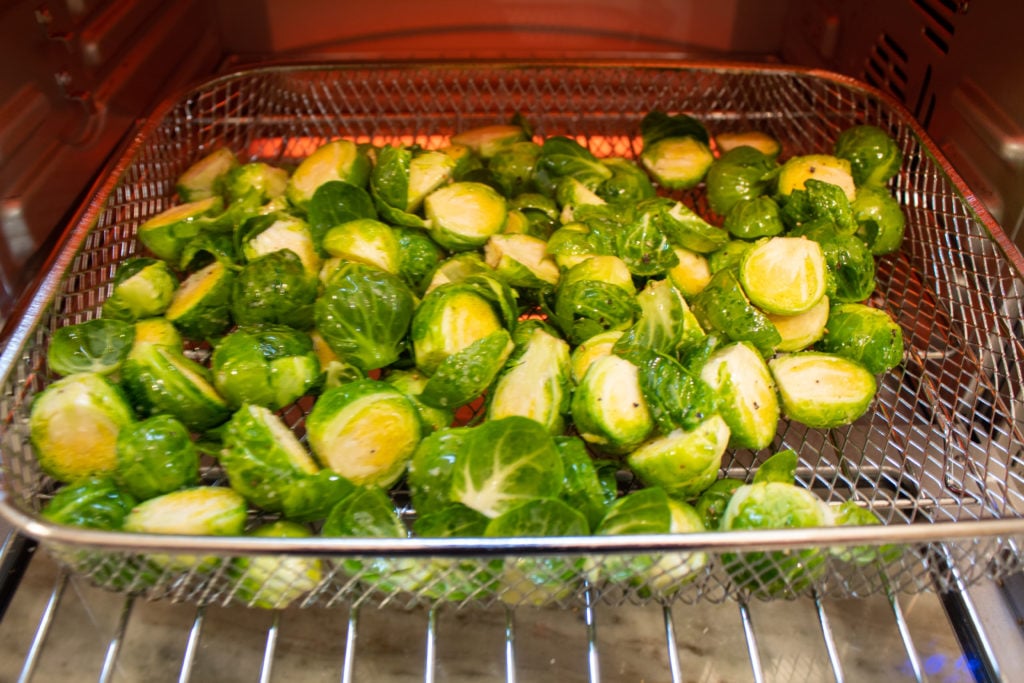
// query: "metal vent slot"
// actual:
[[886, 67], [940, 28]]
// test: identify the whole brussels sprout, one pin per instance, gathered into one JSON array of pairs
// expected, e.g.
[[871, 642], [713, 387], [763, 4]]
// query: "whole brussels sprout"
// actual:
[[366, 430], [750, 219], [739, 174], [143, 287], [268, 365], [156, 456], [880, 219], [683, 462], [865, 334], [513, 166], [92, 503], [98, 346], [270, 582], [874, 156], [364, 315], [275, 288], [74, 424]]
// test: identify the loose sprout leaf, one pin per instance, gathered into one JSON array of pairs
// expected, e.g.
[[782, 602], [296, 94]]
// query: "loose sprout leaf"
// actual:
[[336, 202], [779, 467], [658, 125]]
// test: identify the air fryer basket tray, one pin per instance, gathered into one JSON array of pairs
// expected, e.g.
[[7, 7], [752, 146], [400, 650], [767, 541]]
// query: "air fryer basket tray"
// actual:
[[938, 458]]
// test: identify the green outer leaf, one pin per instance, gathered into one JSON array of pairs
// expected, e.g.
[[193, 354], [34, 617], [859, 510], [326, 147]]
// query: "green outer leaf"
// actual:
[[156, 456], [466, 374], [780, 467], [92, 503], [585, 308], [582, 490], [100, 345], [722, 306], [274, 288], [336, 202], [431, 467], [864, 334], [712, 502], [675, 397]]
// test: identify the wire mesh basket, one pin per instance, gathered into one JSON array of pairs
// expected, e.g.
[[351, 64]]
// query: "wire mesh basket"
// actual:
[[937, 459]]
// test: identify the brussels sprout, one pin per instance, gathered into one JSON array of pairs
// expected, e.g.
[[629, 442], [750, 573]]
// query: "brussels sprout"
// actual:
[[201, 307], [504, 463], [364, 315], [431, 468], [154, 457], [270, 582], [367, 512], [874, 156], [336, 202], [462, 216], [675, 152], [849, 513], [257, 179], [562, 157], [143, 287], [198, 511], [159, 331], [267, 234], [880, 220], [366, 431], [450, 521], [336, 160], [521, 260], [458, 267], [98, 346], [268, 365], [651, 511], [729, 256], [819, 200], [92, 503], [512, 167], [604, 268], [691, 274], [713, 500], [822, 390], [675, 397], [784, 275], [463, 376], [539, 580], [161, 379], [775, 505], [665, 325], [167, 233], [582, 489], [276, 289], [865, 334], [723, 307], [683, 462], [570, 245], [571, 194], [207, 248], [428, 170], [762, 142], [466, 161], [540, 213], [418, 258], [449, 319], [747, 399], [851, 267], [589, 350], [643, 244], [799, 331], [752, 218], [205, 178], [364, 240], [686, 229], [628, 184], [412, 383], [821, 167], [779, 467], [743, 173], [73, 426], [487, 141], [535, 382], [590, 299], [608, 406]]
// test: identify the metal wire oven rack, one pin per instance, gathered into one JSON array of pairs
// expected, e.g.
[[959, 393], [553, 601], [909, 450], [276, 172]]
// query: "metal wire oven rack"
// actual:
[[938, 459]]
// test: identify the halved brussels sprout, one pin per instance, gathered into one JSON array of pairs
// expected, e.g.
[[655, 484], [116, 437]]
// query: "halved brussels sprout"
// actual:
[[489, 140], [431, 468], [98, 346], [269, 365], [874, 156], [747, 399], [683, 462], [449, 319], [651, 511], [270, 582], [412, 383], [161, 379], [676, 152], [458, 267], [205, 178], [463, 216], [692, 273], [428, 170], [156, 456], [167, 233], [92, 503], [276, 289], [864, 334], [365, 240], [267, 234], [159, 331], [723, 307], [336, 202], [502, 464], [784, 275], [823, 167], [759, 140], [799, 331], [739, 174], [366, 430], [521, 260], [143, 287], [201, 307], [880, 220], [336, 160], [609, 408], [570, 245], [822, 390], [364, 315], [256, 179], [775, 505], [73, 426], [589, 350], [535, 382]]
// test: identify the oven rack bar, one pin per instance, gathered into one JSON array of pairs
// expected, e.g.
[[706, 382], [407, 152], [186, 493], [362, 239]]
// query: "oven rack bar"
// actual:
[[679, 666]]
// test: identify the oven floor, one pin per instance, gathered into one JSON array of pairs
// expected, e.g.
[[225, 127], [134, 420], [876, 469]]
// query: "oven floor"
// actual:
[[96, 635]]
